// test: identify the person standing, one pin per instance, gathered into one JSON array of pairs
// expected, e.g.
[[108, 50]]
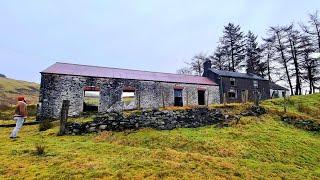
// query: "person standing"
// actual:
[[19, 116]]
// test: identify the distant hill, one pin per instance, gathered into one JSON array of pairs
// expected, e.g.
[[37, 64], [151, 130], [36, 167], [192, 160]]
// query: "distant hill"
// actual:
[[2, 75], [11, 88]]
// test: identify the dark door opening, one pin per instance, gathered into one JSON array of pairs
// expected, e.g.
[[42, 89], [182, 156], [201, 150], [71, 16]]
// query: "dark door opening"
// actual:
[[201, 97], [91, 100], [178, 97]]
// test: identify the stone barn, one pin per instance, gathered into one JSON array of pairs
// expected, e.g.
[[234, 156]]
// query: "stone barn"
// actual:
[[104, 89]]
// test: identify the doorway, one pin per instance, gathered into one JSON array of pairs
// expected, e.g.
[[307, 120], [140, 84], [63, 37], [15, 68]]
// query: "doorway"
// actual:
[[201, 97]]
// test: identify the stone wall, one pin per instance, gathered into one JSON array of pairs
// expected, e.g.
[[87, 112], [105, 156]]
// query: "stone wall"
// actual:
[[148, 94], [161, 120]]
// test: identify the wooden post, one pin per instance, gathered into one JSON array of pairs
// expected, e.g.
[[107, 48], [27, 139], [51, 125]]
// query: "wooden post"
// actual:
[[247, 95], [242, 97], [64, 116], [284, 104], [256, 98], [208, 97], [224, 99]]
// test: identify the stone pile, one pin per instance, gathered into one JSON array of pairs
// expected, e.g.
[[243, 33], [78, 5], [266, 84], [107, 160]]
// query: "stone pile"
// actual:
[[300, 123], [254, 111]]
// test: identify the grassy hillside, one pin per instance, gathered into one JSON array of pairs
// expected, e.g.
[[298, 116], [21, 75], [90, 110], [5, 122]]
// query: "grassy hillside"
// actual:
[[10, 89], [303, 107], [257, 148]]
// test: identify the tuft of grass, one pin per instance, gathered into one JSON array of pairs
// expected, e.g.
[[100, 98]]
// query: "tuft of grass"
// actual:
[[40, 149]]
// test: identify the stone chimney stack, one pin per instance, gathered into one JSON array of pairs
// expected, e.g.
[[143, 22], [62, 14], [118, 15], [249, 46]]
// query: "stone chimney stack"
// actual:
[[206, 66]]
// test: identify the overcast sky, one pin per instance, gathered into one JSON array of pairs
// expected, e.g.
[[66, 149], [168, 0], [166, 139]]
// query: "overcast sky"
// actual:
[[154, 35]]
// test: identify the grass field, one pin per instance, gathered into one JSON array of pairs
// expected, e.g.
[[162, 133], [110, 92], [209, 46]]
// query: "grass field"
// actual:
[[256, 148], [10, 89]]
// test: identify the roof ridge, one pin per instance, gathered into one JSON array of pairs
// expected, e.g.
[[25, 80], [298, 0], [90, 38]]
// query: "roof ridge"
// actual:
[[129, 69]]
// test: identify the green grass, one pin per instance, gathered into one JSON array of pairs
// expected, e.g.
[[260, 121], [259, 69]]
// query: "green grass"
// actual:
[[256, 148], [305, 107]]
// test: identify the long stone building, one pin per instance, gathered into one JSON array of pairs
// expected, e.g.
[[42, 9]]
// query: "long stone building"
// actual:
[[104, 89]]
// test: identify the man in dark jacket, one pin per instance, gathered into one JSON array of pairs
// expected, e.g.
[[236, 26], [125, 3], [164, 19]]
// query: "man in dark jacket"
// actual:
[[19, 116]]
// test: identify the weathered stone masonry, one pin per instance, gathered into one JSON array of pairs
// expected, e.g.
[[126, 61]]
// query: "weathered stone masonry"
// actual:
[[148, 94]]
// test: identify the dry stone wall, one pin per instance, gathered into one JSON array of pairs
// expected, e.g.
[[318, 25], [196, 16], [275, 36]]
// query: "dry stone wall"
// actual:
[[161, 120]]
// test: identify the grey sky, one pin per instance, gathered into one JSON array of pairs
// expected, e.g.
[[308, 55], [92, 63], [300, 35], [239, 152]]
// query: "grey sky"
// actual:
[[147, 35]]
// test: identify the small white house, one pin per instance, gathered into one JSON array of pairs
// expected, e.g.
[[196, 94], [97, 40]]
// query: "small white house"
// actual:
[[277, 91]]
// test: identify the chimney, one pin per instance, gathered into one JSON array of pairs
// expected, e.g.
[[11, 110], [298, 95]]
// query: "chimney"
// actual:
[[206, 66]]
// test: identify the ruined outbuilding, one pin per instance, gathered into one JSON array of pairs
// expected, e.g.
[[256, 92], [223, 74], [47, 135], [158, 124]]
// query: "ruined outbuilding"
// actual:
[[104, 89]]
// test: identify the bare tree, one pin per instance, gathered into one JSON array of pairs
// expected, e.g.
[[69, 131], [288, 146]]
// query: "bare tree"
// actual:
[[184, 70], [313, 28], [293, 40], [310, 65], [268, 53], [196, 64], [278, 33]]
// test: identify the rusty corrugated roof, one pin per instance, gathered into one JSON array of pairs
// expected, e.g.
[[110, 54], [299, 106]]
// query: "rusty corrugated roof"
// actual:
[[107, 72]]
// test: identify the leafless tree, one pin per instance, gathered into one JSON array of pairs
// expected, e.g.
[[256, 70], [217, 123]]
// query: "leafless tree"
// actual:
[[313, 28], [278, 33], [184, 70]]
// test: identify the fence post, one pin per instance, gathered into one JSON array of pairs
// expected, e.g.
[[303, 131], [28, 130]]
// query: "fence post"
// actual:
[[64, 116], [256, 98]]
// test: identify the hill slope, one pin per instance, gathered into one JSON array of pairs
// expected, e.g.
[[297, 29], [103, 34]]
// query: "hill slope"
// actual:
[[256, 148], [301, 107], [10, 89]]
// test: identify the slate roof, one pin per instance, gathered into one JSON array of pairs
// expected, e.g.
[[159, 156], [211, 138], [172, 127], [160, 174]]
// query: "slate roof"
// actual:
[[277, 87], [237, 74], [107, 72]]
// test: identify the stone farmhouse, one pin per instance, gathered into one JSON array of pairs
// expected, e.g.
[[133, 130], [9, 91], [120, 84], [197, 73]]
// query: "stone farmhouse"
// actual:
[[237, 87], [104, 89]]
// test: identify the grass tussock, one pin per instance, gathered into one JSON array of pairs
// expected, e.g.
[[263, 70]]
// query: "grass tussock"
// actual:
[[40, 149]]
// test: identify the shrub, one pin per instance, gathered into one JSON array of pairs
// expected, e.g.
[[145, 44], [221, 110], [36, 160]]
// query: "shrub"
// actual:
[[45, 125], [40, 149]]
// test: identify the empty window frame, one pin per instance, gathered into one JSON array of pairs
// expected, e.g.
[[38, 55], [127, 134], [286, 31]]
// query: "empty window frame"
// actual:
[[201, 97], [232, 81], [91, 100], [178, 101], [255, 84], [232, 94], [128, 98]]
